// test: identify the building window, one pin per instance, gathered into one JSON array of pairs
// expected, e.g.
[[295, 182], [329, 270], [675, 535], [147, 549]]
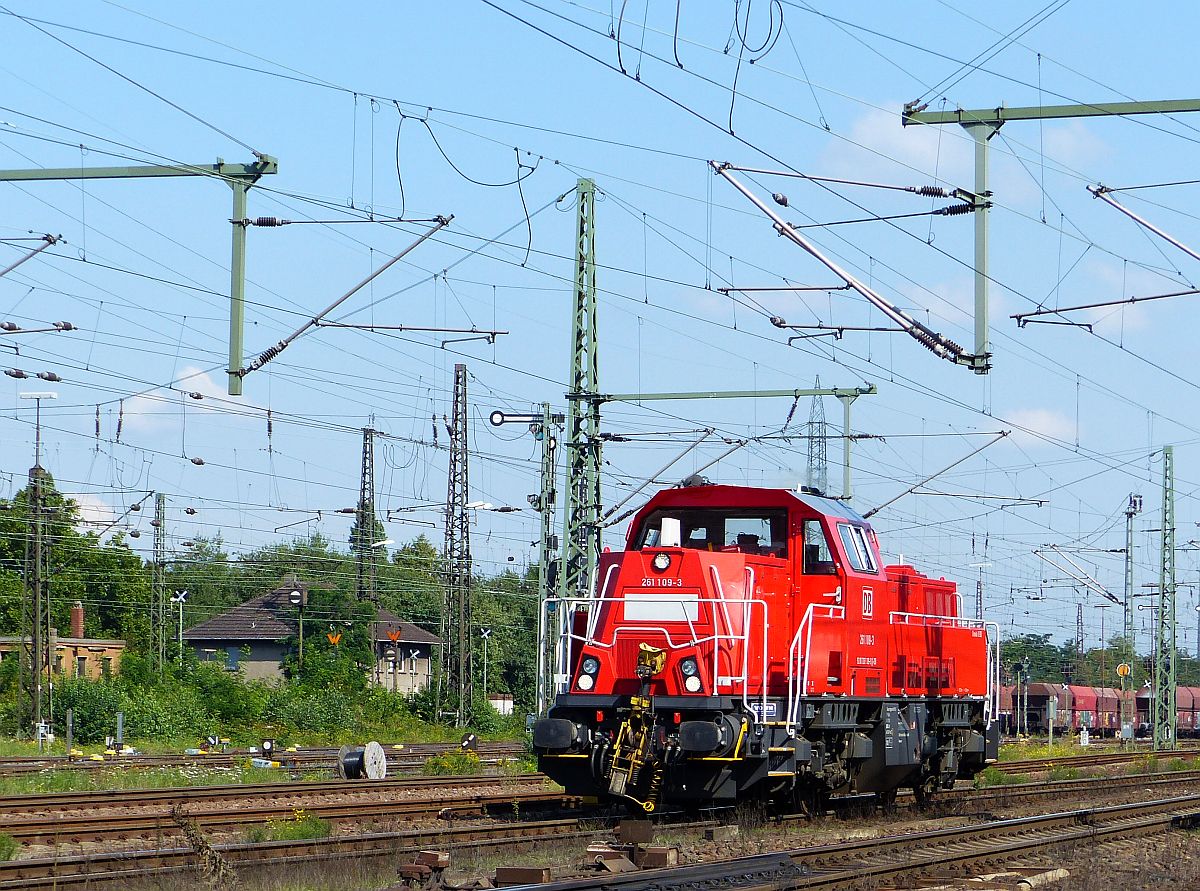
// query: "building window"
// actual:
[[232, 654], [58, 664], [106, 667], [80, 666]]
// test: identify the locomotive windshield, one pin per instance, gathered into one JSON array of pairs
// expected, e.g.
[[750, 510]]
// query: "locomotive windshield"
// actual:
[[762, 532]]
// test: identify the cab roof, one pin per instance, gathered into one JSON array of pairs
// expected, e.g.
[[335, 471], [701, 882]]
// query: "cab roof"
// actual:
[[744, 496]]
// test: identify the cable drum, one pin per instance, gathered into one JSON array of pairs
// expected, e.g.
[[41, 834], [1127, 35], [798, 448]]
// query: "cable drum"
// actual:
[[357, 762]]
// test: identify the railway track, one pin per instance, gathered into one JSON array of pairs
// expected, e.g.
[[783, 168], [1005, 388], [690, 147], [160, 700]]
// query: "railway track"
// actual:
[[840, 865], [287, 794], [850, 864], [72, 818], [122, 868], [1097, 760], [1084, 787], [410, 757]]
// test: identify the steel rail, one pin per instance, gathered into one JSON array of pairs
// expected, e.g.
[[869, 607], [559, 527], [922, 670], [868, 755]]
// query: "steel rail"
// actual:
[[96, 869], [848, 864], [57, 802], [78, 827], [412, 756]]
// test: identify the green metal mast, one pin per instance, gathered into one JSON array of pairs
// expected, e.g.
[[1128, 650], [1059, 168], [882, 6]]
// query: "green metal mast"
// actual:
[[158, 609], [1134, 508], [1164, 716], [240, 178], [581, 519], [983, 124], [457, 611]]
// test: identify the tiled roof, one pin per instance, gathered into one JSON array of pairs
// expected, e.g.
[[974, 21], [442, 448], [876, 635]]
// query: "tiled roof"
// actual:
[[266, 617], [409, 633], [272, 617]]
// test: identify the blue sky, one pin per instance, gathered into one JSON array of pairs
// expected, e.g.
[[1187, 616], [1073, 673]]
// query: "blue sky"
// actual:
[[341, 99]]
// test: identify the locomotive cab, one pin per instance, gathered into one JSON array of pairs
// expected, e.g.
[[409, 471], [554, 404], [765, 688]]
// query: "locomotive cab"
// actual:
[[751, 643]]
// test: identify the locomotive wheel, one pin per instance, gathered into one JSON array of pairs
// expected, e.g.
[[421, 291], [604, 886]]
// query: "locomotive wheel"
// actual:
[[812, 801]]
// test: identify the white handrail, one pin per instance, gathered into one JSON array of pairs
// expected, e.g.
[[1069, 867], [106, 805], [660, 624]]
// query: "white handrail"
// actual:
[[798, 657], [567, 634], [901, 618], [991, 707]]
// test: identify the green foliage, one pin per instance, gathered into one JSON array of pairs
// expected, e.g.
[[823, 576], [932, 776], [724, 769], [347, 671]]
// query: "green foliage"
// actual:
[[121, 777], [994, 776], [8, 846], [1024, 751], [1062, 772], [329, 693], [453, 763], [299, 826], [94, 706], [107, 576]]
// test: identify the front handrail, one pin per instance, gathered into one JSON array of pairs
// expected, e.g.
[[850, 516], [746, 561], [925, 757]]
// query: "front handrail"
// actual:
[[798, 657], [674, 641], [747, 607]]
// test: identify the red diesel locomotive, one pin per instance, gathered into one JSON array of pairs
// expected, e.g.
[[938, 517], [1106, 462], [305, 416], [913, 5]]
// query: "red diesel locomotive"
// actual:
[[750, 643]]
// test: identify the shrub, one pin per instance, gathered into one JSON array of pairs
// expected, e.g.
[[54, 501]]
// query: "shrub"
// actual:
[[94, 706], [8, 846], [452, 763]]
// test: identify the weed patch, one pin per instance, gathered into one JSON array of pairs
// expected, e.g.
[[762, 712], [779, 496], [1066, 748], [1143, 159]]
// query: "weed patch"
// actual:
[[299, 826], [452, 763], [994, 776]]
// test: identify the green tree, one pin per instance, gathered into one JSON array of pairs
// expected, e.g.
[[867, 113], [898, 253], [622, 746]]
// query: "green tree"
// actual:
[[109, 580]]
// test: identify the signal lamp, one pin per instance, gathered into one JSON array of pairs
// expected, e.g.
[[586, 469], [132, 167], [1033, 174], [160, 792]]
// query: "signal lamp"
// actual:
[[688, 667], [585, 682], [591, 665], [662, 562], [692, 684]]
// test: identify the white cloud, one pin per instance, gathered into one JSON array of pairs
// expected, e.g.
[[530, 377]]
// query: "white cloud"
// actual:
[[882, 149], [162, 409], [1073, 144], [94, 513], [1030, 425]]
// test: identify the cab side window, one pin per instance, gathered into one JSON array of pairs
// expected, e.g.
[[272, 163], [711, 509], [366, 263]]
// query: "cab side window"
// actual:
[[818, 558], [858, 550]]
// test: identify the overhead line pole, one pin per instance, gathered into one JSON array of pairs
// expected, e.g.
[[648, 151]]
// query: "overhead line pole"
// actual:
[[1134, 508], [457, 609], [581, 515], [158, 614], [1164, 708], [240, 178], [983, 124]]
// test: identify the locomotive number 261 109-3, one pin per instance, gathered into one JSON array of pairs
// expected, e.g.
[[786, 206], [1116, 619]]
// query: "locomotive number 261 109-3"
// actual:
[[650, 582]]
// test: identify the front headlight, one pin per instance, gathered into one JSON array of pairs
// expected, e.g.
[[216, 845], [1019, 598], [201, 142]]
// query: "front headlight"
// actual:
[[585, 682], [692, 684], [688, 667], [590, 665]]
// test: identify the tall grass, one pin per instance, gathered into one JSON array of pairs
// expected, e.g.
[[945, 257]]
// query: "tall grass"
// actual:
[[118, 778]]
